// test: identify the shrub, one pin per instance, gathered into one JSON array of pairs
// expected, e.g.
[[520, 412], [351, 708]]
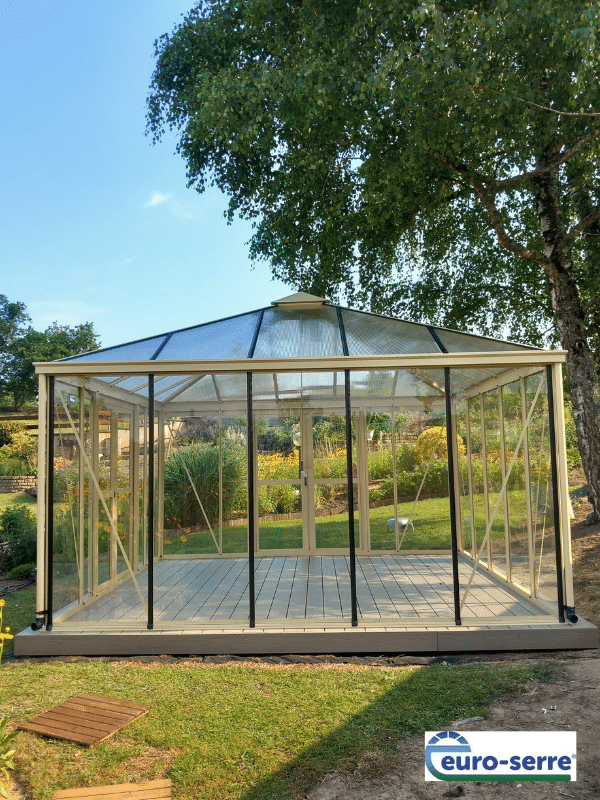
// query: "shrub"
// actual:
[[434, 439], [201, 463], [22, 569], [7, 430], [18, 527], [12, 467], [17, 442]]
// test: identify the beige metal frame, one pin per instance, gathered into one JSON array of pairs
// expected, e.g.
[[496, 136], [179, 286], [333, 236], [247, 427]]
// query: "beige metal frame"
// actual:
[[518, 365]]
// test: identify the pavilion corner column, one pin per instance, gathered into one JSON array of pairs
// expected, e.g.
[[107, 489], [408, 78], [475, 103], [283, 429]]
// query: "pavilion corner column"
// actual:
[[350, 477], [251, 503], [452, 494], [555, 495], [150, 455], [50, 503], [42, 542]]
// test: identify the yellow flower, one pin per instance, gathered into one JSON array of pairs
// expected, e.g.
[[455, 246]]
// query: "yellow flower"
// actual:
[[4, 636], [183, 539], [2, 602]]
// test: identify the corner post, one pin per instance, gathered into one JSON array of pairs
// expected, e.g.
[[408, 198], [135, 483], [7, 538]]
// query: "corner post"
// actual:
[[452, 494], [150, 502]]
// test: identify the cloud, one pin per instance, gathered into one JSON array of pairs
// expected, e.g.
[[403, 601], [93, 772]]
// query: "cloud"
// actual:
[[185, 212], [66, 312], [157, 199]]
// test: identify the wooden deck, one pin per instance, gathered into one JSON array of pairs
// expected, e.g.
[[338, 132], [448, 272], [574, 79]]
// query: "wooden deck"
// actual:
[[405, 604]]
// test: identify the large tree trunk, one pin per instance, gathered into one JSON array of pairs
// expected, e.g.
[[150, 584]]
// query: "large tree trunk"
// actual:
[[574, 337]]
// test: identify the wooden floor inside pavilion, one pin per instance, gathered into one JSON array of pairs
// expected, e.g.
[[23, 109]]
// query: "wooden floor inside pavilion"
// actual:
[[405, 604]]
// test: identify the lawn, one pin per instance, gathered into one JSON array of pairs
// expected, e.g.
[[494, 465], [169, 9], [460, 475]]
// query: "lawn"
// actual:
[[240, 732], [7, 500], [431, 520]]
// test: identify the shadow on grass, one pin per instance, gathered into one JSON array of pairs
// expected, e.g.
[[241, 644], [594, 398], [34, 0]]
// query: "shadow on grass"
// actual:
[[427, 699]]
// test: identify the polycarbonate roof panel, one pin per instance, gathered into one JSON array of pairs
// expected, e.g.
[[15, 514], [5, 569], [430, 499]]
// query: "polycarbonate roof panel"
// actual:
[[371, 335], [227, 338], [142, 350], [201, 390], [299, 333], [456, 342]]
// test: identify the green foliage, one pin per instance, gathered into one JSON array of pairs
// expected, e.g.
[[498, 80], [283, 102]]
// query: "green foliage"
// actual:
[[12, 467], [18, 451], [22, 569], [8, 428], [412, 158], [200, 462], [433, 443], [378, 122], [20, 346], [18, 527]]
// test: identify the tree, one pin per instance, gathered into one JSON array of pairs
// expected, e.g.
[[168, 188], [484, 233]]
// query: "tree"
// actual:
[[23, 346], [439, 158]]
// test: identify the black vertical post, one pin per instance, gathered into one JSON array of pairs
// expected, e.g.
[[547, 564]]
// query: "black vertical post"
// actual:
[[150, 502], [251, 532], [452, 494], [555, 496], [50, 505], [350, 479]]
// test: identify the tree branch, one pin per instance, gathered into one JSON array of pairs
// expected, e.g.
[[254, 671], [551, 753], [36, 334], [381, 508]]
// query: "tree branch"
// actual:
[[588, 307], [488, 198], [594, 114], [552, 164], [578, 229]]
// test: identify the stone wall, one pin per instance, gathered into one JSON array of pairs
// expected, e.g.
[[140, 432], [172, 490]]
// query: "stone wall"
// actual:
[[10, 485]]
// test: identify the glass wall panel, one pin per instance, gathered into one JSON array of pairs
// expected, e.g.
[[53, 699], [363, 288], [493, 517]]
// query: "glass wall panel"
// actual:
[[381, 449], [69, 546], [479, 476], [518, 515], [465, 477], [544, 563], [234, 492], [192, 479], [495, 459]]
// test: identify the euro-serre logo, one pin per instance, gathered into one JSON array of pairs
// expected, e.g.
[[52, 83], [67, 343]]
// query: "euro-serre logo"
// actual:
[[500, 756]]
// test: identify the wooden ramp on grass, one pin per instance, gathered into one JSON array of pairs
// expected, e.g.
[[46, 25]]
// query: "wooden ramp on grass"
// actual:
[[86, 719], [147, 790]]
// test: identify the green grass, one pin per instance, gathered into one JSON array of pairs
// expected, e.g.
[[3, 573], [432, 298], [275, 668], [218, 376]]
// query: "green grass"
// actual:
[[431, 529], [241, 732], [7, 500]]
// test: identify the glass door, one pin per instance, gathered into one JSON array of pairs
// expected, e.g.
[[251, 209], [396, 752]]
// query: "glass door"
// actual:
[[302, 497], [281, 477]]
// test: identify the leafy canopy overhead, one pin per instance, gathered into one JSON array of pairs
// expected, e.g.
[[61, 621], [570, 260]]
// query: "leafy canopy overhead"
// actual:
[[384, 149]]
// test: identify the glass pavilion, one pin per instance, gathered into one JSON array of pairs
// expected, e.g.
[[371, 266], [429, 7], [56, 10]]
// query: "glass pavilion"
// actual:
[[296, 469]]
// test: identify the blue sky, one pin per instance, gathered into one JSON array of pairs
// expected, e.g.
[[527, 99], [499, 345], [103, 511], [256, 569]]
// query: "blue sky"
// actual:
[[96, 223]]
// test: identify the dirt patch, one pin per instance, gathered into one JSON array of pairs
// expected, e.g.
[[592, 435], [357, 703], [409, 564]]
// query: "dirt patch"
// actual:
[[571, 704]]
